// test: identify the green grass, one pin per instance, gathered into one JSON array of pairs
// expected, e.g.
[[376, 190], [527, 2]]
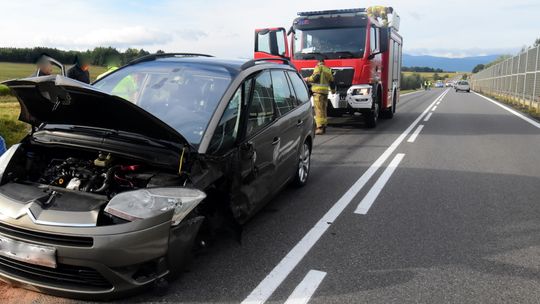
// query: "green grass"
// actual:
[[429, 75], [10, 70], [11, 129]]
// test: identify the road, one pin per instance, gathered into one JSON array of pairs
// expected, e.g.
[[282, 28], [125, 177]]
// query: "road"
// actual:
[[438, 205]]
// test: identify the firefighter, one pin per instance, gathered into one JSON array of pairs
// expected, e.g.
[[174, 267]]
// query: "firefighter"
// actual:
[[380, 12], [79, 71], [113, 62], [321, 81]]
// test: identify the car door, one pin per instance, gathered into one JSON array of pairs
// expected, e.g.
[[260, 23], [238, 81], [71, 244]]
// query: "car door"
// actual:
[[289, 123], [271, 42], [259, 150]]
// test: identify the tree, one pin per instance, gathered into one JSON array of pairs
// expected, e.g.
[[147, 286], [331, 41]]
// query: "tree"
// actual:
[[478, 68], [536, 42], [464, 76]]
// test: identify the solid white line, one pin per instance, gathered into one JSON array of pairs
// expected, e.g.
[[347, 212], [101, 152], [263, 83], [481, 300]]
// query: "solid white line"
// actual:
[[428, 116], [305, 290], [401, 95], [271, 282], [372, 195], [518, 114], [434, 108], [415, 133]]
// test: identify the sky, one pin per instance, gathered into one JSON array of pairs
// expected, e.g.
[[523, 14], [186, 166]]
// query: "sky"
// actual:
[[225, 28]]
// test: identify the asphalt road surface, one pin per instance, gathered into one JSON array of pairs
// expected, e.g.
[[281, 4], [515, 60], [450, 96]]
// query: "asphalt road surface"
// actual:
[[439, 205]]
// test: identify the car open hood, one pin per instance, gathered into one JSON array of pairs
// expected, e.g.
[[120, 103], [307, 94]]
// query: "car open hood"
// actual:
[[60, 100]]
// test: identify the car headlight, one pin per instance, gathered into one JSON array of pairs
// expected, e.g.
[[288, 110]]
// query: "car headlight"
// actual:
[[5, 158], [363, 91], [146, 203]]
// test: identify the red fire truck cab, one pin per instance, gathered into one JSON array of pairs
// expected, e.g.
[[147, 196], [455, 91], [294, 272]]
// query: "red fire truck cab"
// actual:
[[364, 55]]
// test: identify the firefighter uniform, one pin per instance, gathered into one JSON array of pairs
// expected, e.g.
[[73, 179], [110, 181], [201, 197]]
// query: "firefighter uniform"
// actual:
[[380, 12], [321, 80]]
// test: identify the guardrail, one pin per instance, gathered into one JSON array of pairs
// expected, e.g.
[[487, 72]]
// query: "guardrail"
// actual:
[[515, 80]]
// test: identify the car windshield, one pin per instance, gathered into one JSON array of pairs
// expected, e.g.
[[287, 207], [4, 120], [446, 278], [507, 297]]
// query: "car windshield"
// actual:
[[330, 43], [182, 94], [463, 83]]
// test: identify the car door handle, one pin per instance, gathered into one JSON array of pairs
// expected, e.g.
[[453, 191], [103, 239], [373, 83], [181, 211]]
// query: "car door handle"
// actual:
[[276, 141], [299, 123]]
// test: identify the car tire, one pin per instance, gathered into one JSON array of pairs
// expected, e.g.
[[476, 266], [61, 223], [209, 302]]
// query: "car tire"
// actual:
[[304, 165], [468, 91]]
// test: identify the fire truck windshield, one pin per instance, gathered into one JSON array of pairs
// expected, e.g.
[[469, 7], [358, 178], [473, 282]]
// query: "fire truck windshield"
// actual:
[[330, 43]]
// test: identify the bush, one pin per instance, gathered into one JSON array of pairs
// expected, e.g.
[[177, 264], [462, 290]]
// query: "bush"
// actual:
[[4, 91], [411, 82]]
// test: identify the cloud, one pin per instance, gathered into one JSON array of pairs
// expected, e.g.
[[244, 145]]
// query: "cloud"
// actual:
[[122, 37], [191, 34]]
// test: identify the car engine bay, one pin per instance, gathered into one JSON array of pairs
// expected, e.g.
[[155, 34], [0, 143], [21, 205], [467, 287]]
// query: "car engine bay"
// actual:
[[65, 179]]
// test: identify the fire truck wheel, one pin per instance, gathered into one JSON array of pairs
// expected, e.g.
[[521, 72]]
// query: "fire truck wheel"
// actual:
[[372, 116], [389, 112]]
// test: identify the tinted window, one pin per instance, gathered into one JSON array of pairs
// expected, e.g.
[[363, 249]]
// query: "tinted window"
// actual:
[[333, 43], [282, 93], [299, 86], [261, 107], [227, 130], [182, 94]]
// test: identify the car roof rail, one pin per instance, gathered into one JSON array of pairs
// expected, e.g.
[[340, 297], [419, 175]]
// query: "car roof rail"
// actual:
[[165, 55], [254, 62]]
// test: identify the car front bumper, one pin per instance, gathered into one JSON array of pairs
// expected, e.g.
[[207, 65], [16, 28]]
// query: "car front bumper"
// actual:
[[98, 266]]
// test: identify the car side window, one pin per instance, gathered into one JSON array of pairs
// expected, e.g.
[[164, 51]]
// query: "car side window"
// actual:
[[261, 107], [227, 130], [283, 97], [302, 94]]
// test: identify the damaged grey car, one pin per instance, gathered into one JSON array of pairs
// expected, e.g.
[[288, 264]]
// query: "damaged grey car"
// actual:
[[117, 181]]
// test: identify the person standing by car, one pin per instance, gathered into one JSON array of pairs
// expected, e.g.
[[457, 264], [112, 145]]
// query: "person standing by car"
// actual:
[[79, 71], [44, 66], [112, 62], [321, 81]]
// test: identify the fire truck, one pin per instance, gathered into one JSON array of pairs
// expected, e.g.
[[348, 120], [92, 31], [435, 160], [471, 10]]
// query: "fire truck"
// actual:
[[364, 55]]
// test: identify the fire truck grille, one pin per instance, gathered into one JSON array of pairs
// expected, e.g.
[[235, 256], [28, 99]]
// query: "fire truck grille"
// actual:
[[343, 77]]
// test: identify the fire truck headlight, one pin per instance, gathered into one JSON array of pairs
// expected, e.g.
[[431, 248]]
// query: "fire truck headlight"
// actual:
[[363, 91]]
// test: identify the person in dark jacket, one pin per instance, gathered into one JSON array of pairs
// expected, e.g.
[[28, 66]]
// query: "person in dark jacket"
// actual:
[[79, 71], [44, 66]]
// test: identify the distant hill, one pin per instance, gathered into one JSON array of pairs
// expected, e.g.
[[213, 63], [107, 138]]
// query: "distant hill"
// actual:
[[465, 64]]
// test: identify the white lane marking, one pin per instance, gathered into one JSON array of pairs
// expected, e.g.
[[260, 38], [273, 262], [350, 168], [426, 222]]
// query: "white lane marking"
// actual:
[[428, 116], [438, 103], [401, 95], [374, 192], [413, 136], [305, 290], [271, 282], [518, 114], [434, 108]]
